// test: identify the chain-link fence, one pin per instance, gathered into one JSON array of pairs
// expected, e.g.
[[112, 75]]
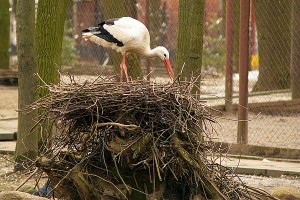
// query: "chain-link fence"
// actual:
[[273, 119]]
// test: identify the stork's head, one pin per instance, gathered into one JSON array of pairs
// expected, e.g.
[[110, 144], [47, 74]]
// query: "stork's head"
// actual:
[[163, 54]]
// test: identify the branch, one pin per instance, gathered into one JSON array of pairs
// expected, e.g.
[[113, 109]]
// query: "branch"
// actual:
[[129, 127]]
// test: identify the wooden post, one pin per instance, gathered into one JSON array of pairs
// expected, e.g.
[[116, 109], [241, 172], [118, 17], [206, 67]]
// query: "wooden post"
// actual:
[[242, 135], [253, 50], [295, 48], [147, 23], [229, 54]]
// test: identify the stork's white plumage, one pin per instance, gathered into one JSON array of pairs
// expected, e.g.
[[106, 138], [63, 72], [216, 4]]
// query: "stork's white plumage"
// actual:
[[127, 35]]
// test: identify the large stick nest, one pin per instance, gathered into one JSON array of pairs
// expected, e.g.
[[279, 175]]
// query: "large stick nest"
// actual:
[[137, 140]]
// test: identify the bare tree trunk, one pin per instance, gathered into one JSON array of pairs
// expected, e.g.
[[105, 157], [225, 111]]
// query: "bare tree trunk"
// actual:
[[4, 34], [50, 21], [190, 38], [295, 50], [27, 145], [236, 33], [273, 19], [49, 34]]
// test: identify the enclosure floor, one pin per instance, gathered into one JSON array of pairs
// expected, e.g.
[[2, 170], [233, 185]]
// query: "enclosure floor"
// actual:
[[263, 130]]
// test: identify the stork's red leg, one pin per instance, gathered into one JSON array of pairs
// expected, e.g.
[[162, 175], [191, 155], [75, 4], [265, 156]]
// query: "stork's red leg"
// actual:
[[123, 67]]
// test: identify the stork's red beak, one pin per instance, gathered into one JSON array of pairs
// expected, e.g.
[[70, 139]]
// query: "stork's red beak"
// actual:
[[169, 69]]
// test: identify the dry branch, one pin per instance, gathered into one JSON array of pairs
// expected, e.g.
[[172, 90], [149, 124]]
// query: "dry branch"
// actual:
[[123, 140]]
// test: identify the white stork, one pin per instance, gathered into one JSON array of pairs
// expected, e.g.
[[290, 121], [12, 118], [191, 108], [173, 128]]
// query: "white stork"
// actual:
[[127, 35]]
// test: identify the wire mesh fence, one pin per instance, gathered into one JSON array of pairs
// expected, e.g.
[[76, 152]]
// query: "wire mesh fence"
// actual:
[[273, 118], [273, 70]]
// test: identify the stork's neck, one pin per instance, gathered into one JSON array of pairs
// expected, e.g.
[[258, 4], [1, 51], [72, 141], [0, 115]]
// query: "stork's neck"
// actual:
[[150, 53]]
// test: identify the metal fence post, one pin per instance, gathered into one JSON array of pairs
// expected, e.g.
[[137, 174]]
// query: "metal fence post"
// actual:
[[147, 23], [229, 54], [242, 135]]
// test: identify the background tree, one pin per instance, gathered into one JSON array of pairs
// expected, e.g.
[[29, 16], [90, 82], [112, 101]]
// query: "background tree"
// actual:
[[236, 32], [4, 34], [26, 147], [295, 50], [51, 16], [190, 38], [274, 42], [121, 8], [50, 21], [236, 36]]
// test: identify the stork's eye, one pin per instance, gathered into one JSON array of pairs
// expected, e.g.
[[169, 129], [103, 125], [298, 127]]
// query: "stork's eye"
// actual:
[[165, 55]]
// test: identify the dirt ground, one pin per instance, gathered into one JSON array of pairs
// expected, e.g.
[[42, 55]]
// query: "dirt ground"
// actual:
[[8, 107], [226, 132], [8, 102], [263, 130], [10, 180]]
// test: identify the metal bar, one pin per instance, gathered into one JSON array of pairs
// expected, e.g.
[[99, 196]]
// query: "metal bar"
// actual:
[[295, 47], [252, 29], [147, 24], [242, 135], [229, 54]]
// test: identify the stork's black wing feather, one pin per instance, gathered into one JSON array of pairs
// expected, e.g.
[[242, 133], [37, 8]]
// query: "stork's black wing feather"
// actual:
[[101, 32], [111, 21]]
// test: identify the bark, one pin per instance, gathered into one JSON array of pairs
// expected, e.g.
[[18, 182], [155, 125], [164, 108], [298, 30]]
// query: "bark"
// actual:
[[51, 16], [49, 34], [26, 147], [274, 42], [121, 8], [4, 34], [236, 33], [190, 38], [14, 7], [295, 51], [183, 42]]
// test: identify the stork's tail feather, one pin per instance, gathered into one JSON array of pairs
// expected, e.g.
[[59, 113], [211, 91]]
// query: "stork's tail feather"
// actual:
[[86, 30], [86, 33], [93, 30]]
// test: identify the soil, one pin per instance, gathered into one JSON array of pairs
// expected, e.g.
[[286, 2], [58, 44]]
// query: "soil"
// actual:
[[8, 102], [10, 180]]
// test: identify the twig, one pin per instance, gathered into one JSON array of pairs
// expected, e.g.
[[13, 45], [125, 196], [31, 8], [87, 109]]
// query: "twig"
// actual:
[[29, 177], [129, 127], [118, 172]]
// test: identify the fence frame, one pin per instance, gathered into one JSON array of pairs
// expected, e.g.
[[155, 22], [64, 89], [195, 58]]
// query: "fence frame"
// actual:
[[242, 135]]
